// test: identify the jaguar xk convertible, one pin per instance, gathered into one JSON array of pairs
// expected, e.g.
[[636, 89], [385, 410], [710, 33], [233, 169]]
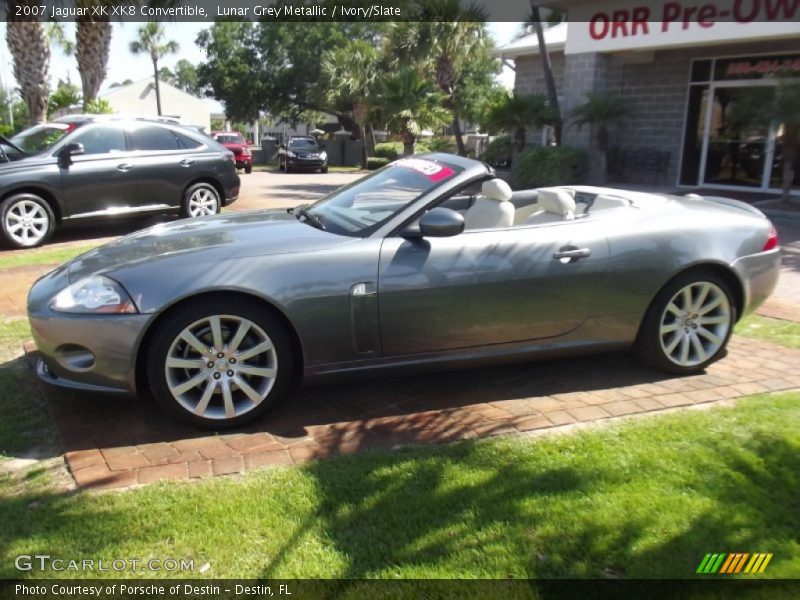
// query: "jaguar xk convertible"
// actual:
[[430, 261]]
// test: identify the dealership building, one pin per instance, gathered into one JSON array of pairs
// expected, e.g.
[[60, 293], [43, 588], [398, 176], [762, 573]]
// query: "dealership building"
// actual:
[[682, 69]]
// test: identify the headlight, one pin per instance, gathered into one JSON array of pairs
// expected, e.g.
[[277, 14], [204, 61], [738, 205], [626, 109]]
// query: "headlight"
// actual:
[[290, 154], [95, 294], [323, 155]]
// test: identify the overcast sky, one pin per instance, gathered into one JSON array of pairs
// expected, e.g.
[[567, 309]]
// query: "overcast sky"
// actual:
[[123, 65]]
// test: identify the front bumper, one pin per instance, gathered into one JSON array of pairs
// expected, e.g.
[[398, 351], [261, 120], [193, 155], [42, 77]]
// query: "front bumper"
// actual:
[[243, 161], [307, 163], [94, 353], [759, 275]]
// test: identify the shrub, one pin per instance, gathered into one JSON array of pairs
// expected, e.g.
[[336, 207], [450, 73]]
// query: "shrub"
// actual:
[[498, 152], [387, 150], [394, 150], [376, 162], [6, 130], [441, 144], [540, 167]]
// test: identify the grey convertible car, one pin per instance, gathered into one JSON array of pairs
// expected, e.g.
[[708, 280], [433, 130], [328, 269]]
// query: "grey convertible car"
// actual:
[[430, 261]]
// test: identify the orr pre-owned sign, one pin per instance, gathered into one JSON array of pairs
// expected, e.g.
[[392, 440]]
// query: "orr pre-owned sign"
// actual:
[[618, 25]]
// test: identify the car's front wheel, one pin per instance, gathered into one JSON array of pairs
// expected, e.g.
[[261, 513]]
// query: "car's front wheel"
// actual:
[[688, 324], [200, 200], [248, 169], [27, 221], [219, 364]]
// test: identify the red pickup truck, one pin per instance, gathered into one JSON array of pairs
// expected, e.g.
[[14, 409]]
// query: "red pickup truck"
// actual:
[[235, 142]]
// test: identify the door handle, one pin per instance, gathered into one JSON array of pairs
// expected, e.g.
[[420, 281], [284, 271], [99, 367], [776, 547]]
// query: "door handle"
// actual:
[[124, 167], [571, 253], [187, 162]]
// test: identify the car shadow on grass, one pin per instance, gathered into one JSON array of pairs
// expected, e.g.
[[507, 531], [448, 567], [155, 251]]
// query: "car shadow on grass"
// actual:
[[409, 512]]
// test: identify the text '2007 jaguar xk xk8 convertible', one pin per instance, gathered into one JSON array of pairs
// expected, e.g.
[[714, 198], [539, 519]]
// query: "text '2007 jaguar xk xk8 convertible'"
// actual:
[[429, 261]]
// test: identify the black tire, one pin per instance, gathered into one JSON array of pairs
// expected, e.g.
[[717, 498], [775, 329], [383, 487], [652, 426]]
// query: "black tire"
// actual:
[[27, 234], [192, 195], [248, 169], [323, 170], [650, 343], [167, 334]]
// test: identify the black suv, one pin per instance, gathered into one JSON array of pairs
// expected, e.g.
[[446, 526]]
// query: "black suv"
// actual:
[[302, 153], [56, 173]]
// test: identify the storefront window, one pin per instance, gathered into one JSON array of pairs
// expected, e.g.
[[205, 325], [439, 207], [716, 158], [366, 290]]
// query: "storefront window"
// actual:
[[726, 141]]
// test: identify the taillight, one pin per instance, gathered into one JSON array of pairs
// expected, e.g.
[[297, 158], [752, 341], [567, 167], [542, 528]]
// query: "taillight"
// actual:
[[772, 239]]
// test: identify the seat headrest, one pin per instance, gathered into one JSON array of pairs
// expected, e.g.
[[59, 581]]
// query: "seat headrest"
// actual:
[[557, 200], [497, 190]]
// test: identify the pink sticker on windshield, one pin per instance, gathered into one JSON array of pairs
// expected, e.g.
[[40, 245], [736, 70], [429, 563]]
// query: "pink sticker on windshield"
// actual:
[[431, 170]]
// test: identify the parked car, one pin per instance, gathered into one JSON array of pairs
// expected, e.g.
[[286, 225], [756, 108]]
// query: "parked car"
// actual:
[[216, 316], [235, 142], [56, 173], [302, 153]]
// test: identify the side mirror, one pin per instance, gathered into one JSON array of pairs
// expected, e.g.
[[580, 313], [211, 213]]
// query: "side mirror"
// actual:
[[249, 141], [437, 222], [67, 152]]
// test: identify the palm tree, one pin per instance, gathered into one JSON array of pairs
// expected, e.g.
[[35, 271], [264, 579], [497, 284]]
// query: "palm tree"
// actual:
[[92, 46], [535, 21], [410, 105], [446, 35], [351, 72], [516, 112], [30, 53], [600, 111], [151, 41]]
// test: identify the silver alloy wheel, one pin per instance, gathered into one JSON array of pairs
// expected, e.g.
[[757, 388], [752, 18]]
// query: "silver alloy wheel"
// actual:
[[26, 222], [695, 324], [221, 367], [203, 202]]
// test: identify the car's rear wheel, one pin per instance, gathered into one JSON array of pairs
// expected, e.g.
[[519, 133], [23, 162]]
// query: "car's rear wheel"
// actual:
[[200, 200], [219, 364], [27, 221], [688, 324]]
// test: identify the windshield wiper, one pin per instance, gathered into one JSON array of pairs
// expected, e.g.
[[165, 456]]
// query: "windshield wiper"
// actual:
[[314, 220]]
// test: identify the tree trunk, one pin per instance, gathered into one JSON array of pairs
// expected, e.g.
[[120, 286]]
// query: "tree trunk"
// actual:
[[370, 138], [788, 155], [602, 155], [519, 141], [158, 90], [462, 148], [552, 93], [30, 53], [92, 45], [409, 139]]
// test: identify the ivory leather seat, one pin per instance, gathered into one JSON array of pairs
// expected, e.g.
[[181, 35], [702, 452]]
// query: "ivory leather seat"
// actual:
[[494, 209]]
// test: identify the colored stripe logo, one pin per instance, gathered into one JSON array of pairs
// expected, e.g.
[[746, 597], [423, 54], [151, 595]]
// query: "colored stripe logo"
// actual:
[[734, 562]]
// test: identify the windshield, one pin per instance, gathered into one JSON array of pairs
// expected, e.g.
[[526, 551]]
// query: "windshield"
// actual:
[[229, 138], [302, 143], [41, 137], [364, 205]]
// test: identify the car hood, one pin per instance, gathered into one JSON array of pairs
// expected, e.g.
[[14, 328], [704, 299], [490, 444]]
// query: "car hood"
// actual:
[[25, 163], [206, 240], [235, 148]]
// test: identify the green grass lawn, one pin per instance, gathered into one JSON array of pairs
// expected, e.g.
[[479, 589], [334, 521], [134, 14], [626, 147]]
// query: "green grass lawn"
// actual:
[[785, 333], [43, 256], [642, 498]]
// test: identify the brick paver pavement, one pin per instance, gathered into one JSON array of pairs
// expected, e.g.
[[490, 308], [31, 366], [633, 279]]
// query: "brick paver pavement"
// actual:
[[113, 442]]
